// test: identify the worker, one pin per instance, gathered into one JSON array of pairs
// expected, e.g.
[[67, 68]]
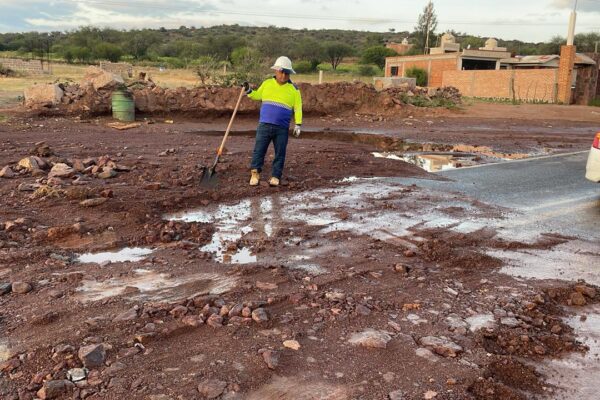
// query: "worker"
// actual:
[[280, 101]]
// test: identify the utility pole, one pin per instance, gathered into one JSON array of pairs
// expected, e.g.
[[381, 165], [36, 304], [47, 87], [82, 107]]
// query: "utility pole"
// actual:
[[596, 50]]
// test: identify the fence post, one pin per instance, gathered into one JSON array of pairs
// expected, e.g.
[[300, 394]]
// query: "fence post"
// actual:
[[320, 77]]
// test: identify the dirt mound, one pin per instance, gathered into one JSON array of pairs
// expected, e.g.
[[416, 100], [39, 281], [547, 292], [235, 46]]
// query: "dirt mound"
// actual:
[[329, 98]]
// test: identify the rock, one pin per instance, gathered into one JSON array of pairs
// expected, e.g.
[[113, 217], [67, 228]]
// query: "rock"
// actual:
[[5, 288], [430, 394], [291, 344], [107, 173], [41, 149], [451, 291], [21, 287], [427, 354], [246, 312], [260, 315], [510, 322], [441, 345], [396, 395], [576, 299], [128, 315], [583, 289], [93, 202], [54, 389], [7, 172], [77, 374], [101, 79], [55, 293], [43, 95], [30, 164], [211, 388], [370, 338], [271, 358], [363, 310], [335, 296], [215, 321], [192, 320], [389, 377], [235, 311], [179, 311], [402, 269], [92, 356], [61, 170], [455, 322], [481, 321]]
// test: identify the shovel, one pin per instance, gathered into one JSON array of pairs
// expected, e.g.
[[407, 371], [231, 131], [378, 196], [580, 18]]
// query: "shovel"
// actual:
[[208, 178]]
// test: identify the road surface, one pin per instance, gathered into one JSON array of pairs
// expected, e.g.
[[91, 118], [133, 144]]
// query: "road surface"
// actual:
[[551, 191]]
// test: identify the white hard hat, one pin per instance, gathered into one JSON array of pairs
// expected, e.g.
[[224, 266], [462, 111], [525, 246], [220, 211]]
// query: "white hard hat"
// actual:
[[283, 64]]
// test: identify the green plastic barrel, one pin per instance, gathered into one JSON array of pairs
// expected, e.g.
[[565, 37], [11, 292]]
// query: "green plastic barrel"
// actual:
[[123, 106]]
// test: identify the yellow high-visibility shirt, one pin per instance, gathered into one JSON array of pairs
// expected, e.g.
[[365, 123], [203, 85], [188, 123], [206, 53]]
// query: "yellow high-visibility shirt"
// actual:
[[278, 102]]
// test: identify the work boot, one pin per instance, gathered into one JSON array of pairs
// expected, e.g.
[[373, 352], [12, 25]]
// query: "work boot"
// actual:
[[254, 177], [274, 181]]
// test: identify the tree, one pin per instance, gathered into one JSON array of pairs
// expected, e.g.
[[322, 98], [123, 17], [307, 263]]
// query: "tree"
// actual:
[[107, 51], [310, 50], [206, 68], [336, 51], [425, 29], [376, 55]]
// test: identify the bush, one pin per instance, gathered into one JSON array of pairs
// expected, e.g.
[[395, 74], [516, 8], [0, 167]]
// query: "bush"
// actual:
[[367, 70], [206, 68], [376, 55], [595, 102], [303, 67], [418, 73]]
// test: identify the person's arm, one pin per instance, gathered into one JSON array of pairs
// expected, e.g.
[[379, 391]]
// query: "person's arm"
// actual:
[[298, 108], [258, 93]]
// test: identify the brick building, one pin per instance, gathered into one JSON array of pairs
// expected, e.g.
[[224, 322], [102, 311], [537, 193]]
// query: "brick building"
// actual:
[[400, 48], [448, 57]]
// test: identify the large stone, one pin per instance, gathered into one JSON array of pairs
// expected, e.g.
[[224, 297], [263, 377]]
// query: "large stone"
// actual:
[[396, 395], [5, 288], [370, 338], [211, 388], [128, 315], [43, 95], [271, 358], [30, 163], [101, 79], [21, 287], [54, 389], [260, 315], [441, 345], [7, 172], [61, 170], [92, 356]]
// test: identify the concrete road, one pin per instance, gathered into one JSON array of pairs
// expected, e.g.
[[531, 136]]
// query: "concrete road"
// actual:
[[551, 191]]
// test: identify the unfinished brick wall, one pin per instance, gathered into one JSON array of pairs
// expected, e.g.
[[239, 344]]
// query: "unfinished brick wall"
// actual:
[[28, 66], [434, 65], [525, 84], [124, 69]]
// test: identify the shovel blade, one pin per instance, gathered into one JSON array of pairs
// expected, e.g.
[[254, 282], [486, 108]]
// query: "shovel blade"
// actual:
[[208, 178]]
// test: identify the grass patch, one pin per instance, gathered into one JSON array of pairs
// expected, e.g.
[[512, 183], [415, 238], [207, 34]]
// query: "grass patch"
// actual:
[[3, 118], [595, 102]]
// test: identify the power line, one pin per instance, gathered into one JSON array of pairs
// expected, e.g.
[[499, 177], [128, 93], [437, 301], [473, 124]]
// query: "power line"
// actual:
[[137, 5]]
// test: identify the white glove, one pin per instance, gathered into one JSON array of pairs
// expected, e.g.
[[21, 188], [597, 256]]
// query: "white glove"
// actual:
[[297, 130]]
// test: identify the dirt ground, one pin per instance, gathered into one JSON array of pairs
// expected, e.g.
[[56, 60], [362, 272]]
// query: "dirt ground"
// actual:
[[305, 291]]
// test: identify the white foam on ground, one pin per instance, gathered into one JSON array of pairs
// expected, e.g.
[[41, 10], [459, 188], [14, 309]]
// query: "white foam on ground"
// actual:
[[131, 254]]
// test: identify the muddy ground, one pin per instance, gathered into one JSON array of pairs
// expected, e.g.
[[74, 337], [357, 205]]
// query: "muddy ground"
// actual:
[[331, 286]]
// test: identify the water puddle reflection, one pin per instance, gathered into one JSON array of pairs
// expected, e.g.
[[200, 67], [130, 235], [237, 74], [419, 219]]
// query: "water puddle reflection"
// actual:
[[150, 285], [128, 254]]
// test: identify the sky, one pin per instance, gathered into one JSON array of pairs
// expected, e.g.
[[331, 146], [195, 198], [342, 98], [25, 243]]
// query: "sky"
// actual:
[[527, 20]]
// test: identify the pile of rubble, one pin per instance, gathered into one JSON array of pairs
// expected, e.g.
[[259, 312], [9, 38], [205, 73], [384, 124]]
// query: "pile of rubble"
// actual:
[[93, 96], [54, 173]]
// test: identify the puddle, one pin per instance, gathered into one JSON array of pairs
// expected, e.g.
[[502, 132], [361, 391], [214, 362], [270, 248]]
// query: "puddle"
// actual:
[[576, 375], [569, 261], [150, 285], [432, 162], [129, 254]]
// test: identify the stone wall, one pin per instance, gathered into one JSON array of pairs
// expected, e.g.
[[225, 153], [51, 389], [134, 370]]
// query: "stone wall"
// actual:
[[28, 66], [524, 85]]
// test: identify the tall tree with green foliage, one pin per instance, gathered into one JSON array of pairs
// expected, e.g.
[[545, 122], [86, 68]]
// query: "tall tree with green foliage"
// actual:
[[310, 50], [425, 29], [376, 55], [336, 52]]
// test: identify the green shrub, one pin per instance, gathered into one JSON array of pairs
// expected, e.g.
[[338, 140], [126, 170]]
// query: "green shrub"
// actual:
[[367, 70], [595, 102], [418, 73], [304, 67]]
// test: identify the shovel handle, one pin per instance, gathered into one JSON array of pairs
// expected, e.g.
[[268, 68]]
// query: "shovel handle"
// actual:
[[237, 105]]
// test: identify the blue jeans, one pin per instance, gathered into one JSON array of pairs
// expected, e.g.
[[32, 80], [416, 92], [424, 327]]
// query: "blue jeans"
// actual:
[[265, 133]]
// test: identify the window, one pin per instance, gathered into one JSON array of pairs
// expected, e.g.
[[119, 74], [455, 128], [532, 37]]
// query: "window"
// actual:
[[394, 71]]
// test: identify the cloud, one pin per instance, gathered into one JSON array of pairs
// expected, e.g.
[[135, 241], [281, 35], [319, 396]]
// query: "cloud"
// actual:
[[582, 5]]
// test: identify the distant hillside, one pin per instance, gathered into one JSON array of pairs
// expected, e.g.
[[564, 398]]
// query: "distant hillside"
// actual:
[[180, 47]]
